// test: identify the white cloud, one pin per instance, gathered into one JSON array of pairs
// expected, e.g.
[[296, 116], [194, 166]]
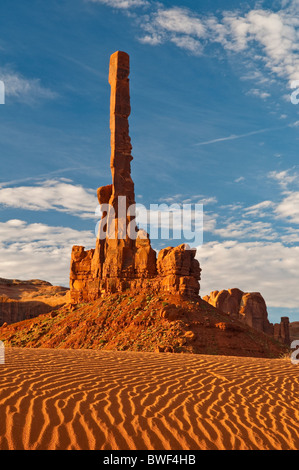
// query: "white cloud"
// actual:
[[123, 4], [58, 194], [193, 199], [275, 32], [188, 43], [259, 93], [232, 207], [258, 76], [152, 39], [209, 221], [288, 208], [261, 209], [39, 251], [205, 200], [265, 267], [290, 236], [240, 179], [284, 177], [22, 89], [267, 37], [247, 229], [178, 25], [180, 21]]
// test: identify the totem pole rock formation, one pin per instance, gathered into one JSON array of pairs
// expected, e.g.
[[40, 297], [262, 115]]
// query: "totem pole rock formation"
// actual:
[[123, 257]]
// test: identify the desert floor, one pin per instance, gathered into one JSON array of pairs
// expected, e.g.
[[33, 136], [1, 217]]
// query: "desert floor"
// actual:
[[88, 399]]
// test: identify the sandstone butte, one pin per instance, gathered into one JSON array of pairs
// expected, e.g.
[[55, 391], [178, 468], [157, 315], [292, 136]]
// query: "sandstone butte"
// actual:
[[117, 264], [250, 308]]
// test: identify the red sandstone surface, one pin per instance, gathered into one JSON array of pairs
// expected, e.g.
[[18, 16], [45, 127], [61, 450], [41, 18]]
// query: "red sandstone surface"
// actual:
[[143, 322]]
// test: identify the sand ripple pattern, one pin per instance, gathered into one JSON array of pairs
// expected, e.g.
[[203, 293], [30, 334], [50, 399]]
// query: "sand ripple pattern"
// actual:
[[87, 399]]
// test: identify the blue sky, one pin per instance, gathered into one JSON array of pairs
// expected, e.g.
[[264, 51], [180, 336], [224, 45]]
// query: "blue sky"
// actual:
[[212, 122]]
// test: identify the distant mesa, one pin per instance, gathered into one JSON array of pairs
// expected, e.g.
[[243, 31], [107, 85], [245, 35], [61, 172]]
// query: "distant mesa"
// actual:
[[118, 264], [20, 300]]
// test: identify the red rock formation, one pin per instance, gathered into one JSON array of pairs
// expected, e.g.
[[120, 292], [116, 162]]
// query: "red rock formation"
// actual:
[[254, 311], [123, 257], [250, 308], [282, 331], [226, 300], [179, 270], [294, 331], [120, 109], [81, 276]]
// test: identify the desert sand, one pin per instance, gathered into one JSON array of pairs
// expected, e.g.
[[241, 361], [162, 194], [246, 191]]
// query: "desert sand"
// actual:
[[87, 399]]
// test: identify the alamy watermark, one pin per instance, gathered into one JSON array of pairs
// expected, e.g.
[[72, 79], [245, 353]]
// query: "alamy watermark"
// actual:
[[2, 353], [295, 94], [295, 354], [159, 222], [2, 92]]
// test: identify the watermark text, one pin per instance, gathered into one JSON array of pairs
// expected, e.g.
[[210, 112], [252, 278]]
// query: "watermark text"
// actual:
[[159, 222], [2, 353], [295, 354], [2, 92], [295, 94]]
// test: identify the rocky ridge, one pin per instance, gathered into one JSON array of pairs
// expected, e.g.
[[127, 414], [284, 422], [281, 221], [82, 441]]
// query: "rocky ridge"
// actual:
[[133, 321], [251, 309]]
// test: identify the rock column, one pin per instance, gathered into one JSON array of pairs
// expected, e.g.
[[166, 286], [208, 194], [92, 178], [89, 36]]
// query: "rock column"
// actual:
[[123, 257], [120, 109]]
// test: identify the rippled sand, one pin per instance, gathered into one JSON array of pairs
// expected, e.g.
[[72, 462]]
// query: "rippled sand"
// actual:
[[87, 399]]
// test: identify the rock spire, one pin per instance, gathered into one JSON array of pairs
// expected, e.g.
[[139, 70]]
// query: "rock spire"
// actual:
[[123, 257]]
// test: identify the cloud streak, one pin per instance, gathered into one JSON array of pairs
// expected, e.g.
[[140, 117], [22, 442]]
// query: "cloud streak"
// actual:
[[240, 136], [122, 4]]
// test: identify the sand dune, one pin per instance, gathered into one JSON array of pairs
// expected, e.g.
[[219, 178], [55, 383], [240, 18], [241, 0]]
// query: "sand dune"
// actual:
[[87, 399]]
